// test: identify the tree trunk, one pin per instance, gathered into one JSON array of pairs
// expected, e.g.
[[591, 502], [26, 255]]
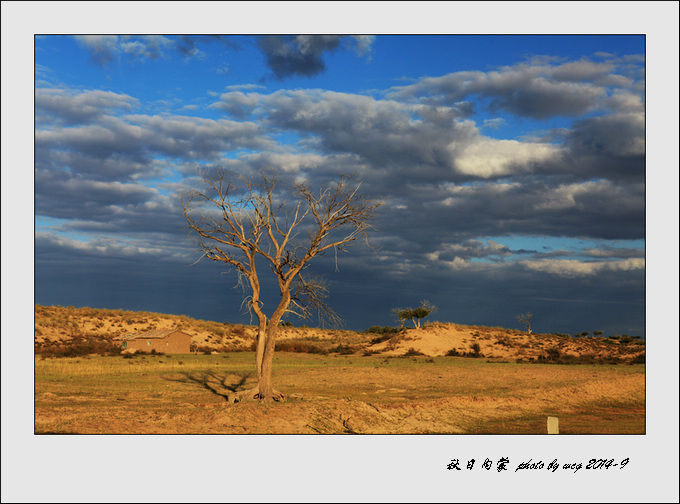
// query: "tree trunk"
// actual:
[[265, 385], [259, 347], [261, 317]]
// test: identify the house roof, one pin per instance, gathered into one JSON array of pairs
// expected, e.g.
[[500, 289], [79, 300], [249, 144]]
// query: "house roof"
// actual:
[[155, 334]]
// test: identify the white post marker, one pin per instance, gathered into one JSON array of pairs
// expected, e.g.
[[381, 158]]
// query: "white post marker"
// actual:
[[553, 425]]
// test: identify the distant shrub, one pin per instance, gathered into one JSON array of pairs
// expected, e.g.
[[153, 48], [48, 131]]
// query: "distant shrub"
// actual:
[[344, 349], [639, 359], [297, 346], [78, 347], [412, 352], [553, 354], [381, 338], [384, 330], [475, 351], [238, 330], [453, 353]]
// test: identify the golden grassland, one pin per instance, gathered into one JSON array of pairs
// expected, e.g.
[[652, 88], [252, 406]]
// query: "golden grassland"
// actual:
[[376, 382], [334, 394]]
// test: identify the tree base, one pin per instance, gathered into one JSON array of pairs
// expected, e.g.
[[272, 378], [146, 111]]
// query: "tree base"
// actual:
[[254, 394]]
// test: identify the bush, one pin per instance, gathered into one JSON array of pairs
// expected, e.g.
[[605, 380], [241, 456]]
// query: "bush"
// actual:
[[238, 330], [297, 347], [639, 359], [78, 347], [381, 338], [412, 352], [344, 349], [553, 353], [475, 351]]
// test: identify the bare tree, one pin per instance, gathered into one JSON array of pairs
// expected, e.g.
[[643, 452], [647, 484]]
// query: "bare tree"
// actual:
[[525, 318], [238, 221]]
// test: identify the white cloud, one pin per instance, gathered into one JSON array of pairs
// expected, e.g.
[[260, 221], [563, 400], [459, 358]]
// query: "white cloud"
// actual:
[[576, 268], [486, 157], [103, 48], [572, 195]]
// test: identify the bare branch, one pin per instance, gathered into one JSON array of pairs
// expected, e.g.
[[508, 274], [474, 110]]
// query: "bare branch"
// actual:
[[235, 219]]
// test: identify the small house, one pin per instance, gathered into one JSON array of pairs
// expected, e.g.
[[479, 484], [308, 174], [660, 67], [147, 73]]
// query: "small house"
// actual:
[[167, 341]]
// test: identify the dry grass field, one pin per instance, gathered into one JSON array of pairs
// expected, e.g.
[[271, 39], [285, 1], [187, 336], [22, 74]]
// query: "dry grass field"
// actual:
[[336, 381]]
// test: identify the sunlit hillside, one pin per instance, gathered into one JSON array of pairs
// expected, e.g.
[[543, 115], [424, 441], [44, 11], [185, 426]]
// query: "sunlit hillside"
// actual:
[[69, 330]]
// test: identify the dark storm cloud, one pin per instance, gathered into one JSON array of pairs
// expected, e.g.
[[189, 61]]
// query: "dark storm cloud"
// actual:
[[609, 252], [105, 146], [302, 55], [440, 172], [432, 139], [383, 132], [469, 249], [413, 160], [285, 55], [535, 90], [86, 206], [132, 277], [587, 209], [59, 194], [565, 297], [610, 146], [445, 183]]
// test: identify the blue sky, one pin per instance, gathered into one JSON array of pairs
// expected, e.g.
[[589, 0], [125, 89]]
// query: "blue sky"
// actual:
[[513, 169]]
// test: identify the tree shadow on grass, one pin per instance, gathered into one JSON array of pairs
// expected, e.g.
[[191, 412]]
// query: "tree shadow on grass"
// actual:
[[221, 384]]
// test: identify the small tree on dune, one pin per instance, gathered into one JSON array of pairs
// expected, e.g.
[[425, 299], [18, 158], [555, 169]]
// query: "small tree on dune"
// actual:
[[402, 314], [240, 222], [414, 314]]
